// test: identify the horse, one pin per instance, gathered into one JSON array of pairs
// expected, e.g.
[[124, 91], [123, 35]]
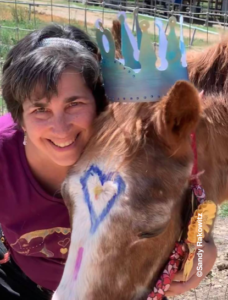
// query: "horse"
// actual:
[[128, 194], [130, 198]]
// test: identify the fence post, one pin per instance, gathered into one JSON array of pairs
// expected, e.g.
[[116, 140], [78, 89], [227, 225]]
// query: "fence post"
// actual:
[[193, 37], [85, 19], [29, 12], [166, 27], [103, 7], [135, 12]]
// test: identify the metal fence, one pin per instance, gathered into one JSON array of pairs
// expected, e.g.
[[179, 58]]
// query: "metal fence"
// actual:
[[204, 22]]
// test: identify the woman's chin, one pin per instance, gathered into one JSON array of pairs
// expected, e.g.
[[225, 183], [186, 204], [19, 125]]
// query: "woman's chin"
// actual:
[[65, 161]]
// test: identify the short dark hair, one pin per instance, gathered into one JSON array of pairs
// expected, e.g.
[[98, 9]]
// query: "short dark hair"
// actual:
[[29, 64]]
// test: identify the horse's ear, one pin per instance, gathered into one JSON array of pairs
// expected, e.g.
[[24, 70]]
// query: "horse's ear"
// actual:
[[181, 110]]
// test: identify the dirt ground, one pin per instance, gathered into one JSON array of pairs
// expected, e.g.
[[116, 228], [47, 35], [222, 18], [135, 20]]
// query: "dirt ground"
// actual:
[[215, 285]]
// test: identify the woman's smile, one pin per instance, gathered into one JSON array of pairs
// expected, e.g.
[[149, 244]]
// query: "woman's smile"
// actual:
[[64, 146]]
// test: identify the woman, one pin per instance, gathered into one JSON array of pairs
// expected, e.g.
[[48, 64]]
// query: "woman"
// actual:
[[52, 88], [53, 91]]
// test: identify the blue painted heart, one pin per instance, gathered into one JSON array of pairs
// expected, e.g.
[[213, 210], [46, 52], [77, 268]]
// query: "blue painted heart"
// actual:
[[94, 170]]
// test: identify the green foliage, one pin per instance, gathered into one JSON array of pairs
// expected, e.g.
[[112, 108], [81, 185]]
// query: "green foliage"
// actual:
[[223, 211], [15, 27], [19, 14], [2, 106]]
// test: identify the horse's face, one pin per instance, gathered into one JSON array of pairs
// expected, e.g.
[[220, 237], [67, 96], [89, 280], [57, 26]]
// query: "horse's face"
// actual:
[[124, 197]]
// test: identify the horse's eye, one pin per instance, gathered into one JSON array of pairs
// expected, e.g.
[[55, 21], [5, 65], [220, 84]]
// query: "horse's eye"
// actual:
[[146, 235], [154, 233]]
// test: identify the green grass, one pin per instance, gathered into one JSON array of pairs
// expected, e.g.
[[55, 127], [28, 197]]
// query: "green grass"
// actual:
[[1, 101], [144, 17], [10, 36], [129, 15], [223, 211], [17, 25], [2, 106], [15, 28], [19, 18]]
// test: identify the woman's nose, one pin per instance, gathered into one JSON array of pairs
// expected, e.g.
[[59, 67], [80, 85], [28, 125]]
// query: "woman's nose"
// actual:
[[61, 125]]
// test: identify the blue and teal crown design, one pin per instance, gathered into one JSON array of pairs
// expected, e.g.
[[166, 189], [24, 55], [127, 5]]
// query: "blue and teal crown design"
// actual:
[[135, 78]]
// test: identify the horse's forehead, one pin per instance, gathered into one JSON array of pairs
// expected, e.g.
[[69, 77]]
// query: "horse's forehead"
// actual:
[[102, 197], [106, 227]]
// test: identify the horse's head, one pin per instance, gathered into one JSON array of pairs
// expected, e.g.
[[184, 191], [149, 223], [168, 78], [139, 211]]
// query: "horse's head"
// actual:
[[125, 197]]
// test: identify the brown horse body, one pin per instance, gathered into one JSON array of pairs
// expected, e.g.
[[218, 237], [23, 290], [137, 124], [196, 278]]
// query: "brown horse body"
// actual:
[[127, 194], [150, 153]]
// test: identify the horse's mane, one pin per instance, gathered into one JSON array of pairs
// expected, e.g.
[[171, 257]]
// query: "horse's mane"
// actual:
[[130, 130], [215, 113], [208, 69], [122, 139], [116, 33]]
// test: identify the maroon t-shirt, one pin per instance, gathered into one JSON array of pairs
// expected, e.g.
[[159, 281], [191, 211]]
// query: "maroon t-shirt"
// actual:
[[36, 225]]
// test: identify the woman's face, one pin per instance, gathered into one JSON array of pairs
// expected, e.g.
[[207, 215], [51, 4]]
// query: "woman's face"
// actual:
[[59, 129]]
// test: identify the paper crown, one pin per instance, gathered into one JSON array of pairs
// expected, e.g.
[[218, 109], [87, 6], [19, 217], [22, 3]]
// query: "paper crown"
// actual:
[[136, 77]]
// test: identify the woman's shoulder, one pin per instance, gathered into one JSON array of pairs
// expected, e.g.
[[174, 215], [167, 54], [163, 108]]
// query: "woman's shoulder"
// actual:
[[6, 123], [9, 135], [8, 128]]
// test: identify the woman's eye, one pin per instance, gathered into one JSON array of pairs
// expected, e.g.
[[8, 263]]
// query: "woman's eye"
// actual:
[[41, 110], [72, 104]]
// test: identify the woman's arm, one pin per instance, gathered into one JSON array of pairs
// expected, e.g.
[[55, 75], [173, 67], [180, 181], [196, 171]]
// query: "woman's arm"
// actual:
[[209, 256]]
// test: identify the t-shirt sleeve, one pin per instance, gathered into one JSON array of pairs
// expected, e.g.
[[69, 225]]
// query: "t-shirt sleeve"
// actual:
[[7, 132]]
